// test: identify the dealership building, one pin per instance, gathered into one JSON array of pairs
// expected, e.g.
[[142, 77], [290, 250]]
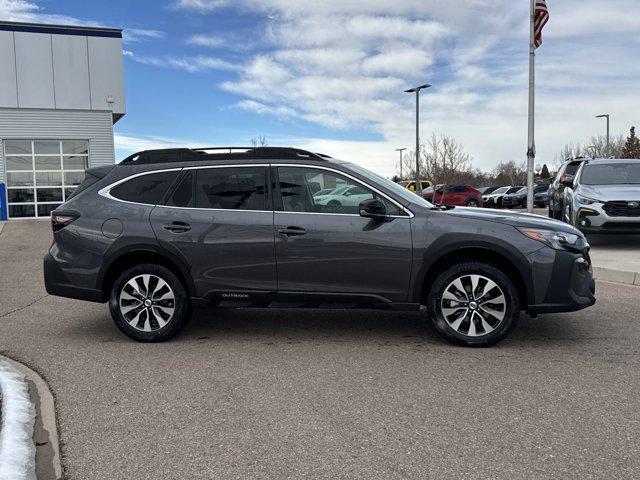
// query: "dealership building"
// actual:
[[61, 91]]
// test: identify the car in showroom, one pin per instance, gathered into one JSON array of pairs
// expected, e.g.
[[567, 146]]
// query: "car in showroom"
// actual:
[[518, 198], [453, 196], [564, 177], [167, 231], [604, 197]]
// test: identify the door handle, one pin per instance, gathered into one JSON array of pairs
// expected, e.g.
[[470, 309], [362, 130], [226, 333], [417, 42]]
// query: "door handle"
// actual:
[[292, 231], [177, 227]]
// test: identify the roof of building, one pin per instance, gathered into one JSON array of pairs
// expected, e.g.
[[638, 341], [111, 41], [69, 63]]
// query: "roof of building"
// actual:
[[87, 31]]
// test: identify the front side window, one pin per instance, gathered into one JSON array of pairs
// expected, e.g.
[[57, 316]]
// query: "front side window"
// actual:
[[239, 188], [296, 190], [148, 189]]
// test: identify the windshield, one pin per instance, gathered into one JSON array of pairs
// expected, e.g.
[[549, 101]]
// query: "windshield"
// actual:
[[515, 189], [401, 192], [501, 190], [611, 174]]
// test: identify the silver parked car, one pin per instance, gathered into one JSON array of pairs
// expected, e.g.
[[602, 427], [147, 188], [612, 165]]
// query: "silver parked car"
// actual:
[[604, 197]]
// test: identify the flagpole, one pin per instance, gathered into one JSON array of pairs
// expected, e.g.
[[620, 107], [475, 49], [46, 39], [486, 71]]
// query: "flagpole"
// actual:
[[531, 151]]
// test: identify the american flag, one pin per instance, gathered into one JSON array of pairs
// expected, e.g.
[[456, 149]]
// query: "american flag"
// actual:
[[540, 19]]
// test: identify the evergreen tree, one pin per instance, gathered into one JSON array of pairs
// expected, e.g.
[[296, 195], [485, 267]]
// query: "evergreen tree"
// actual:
[[632, 146], [545, 175]]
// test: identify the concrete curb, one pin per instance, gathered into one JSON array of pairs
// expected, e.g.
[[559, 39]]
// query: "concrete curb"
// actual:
[[46, 421], [617, 276]]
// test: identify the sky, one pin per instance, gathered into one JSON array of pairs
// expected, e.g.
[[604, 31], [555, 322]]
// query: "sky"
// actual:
[[330, 75]]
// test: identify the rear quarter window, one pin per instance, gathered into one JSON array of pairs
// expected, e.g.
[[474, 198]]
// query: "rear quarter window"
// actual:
[[149, 188]]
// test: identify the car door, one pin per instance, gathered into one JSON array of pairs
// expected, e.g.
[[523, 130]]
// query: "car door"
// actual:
[[332, 251], [219, 221]]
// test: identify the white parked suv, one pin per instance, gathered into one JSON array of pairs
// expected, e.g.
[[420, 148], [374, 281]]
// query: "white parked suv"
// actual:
[[604, 196]]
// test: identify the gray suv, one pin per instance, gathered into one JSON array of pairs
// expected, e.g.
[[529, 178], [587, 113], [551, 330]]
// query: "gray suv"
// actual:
[[165, 231], [604, 197]]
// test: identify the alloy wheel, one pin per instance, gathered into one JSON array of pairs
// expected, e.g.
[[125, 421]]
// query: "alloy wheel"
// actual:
[[473, 305], [147, 302]]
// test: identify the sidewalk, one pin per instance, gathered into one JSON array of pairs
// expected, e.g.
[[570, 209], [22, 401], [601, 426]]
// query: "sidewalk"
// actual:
[[616, 258]]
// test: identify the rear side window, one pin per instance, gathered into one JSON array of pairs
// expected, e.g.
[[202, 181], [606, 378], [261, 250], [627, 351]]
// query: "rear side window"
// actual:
[[240, 188], [460, 189], [148, 189]]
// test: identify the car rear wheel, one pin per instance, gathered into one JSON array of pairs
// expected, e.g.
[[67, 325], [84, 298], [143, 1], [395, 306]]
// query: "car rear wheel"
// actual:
[[472, 202], [149, 303], [473, 304]]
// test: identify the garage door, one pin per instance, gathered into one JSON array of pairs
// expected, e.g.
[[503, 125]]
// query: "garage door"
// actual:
[[40, 174]]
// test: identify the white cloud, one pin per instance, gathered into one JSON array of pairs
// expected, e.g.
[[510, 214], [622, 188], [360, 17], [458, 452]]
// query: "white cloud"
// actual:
[[208, 41], [126, 144], [344, 65], [202, 6], [195, 64], [134, 35]]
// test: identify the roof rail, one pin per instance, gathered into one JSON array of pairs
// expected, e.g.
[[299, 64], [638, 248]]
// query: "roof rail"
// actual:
[[170, 155]]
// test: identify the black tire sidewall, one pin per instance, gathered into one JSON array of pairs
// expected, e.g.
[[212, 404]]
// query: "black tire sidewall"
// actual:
[[181, 315], [465, 268]]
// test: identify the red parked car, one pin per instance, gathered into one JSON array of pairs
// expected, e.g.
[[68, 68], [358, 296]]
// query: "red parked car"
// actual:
[[454, 196]]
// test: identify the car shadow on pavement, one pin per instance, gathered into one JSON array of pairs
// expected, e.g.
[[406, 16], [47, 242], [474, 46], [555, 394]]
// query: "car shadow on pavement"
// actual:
[[330, 326]]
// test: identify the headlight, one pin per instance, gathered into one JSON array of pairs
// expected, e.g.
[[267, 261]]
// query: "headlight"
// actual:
[[556, 240], [587, 201]]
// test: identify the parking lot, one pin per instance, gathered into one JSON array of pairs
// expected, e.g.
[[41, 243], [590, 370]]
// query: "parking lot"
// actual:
[[326, 394]]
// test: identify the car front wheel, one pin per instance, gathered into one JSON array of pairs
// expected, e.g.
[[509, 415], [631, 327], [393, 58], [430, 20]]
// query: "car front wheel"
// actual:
[[149, 303], [473, 304], [472, 202]]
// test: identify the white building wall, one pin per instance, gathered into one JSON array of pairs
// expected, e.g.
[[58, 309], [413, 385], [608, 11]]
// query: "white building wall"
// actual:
[[8, 86], [34, 68], [61, 68], [71, 72], [95, 126]]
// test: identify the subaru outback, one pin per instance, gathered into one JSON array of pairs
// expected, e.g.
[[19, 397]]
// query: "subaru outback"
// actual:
[[166, 231]]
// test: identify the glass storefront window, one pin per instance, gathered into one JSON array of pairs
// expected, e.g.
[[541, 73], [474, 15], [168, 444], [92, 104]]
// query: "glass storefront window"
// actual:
[[54, 167]]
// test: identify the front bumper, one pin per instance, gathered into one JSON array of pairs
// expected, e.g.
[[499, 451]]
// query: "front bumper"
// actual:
[[594, 218], [570, 284]]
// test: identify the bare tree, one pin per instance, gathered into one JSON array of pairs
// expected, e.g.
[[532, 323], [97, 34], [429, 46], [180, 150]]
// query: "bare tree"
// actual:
[[259, 141], [511, 173]]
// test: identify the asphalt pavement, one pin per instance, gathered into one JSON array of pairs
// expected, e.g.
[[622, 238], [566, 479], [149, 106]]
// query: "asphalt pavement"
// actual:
[[273, 394]]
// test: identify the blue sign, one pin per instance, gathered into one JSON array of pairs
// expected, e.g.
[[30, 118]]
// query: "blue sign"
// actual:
[[3, 203]]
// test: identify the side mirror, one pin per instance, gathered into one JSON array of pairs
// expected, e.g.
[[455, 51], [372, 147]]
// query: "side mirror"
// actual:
[[372, 208]]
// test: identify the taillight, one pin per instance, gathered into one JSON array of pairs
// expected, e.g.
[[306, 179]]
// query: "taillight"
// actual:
[[62, 218]]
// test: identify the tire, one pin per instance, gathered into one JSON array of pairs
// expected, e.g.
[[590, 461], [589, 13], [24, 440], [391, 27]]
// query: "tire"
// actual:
[[334, 203], [454, 324], [149, 303], [472, 202]]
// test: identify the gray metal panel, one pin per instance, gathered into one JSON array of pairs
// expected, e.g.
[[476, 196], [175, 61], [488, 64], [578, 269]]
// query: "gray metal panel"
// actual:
[[8, 88], [106, 72], [95, 126], [71, 71], [34, 70]]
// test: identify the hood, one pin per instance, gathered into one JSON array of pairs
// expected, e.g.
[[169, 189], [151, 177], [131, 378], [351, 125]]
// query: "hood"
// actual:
[[628, 192], [514, 219]]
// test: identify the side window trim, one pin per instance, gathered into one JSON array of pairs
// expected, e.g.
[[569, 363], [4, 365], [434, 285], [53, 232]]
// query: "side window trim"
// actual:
[[280, 208]]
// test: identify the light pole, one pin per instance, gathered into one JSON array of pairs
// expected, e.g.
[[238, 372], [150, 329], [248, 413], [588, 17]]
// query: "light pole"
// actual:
[[606, 115], [400, 150], [417, 92]]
